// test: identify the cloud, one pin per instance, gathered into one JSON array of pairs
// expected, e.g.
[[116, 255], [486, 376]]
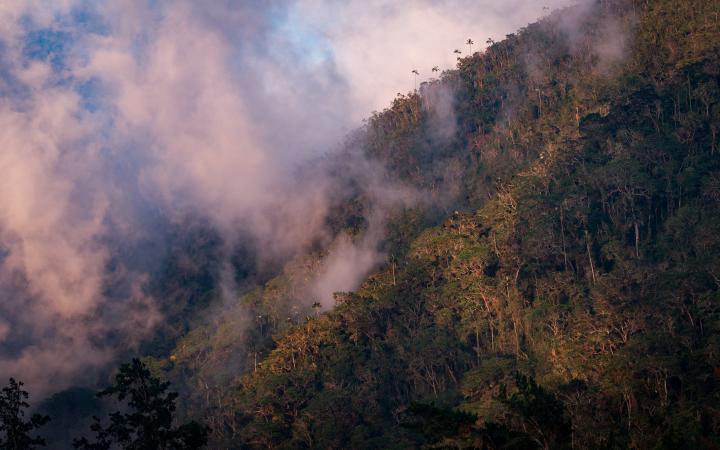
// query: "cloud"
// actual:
[[378, 43], [54, 204], [590, 32]]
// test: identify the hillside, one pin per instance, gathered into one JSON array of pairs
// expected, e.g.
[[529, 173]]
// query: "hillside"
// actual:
[[559, 291]]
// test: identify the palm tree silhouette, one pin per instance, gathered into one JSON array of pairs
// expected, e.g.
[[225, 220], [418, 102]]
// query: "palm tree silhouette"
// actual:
[[416, 73], [435, 69], [470, 44]]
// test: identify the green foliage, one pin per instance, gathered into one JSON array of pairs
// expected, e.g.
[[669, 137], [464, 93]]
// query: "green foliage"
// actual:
[[15, 431], [535, 420], [540, 413], [439, 426]]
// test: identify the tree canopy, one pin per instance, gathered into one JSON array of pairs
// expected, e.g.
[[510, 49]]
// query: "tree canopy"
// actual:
[[147, 422], [16, 433]]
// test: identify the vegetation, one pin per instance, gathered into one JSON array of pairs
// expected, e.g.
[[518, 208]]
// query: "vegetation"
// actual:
[[560, 288], [15, 431], [147, 423]]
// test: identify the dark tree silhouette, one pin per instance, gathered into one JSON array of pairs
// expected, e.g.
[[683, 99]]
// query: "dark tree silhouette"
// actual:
[[539, 413], [535, 419], [14, 430], [147, 424]]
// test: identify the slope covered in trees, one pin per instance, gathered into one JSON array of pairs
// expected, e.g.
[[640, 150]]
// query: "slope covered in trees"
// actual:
[[568, 296]]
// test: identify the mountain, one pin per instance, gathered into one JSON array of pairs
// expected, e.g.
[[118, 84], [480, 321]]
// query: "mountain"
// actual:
[[559, 289]]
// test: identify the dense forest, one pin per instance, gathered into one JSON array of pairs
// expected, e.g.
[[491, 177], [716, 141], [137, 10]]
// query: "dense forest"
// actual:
[[558, 287]]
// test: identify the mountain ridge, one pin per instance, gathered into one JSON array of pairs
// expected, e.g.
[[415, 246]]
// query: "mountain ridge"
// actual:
[[581, 253]]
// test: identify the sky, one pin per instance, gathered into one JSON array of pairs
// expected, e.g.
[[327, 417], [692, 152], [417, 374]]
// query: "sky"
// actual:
[[113, 109]]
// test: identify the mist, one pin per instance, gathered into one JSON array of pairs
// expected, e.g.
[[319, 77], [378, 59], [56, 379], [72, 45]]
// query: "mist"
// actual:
[[120, 118]]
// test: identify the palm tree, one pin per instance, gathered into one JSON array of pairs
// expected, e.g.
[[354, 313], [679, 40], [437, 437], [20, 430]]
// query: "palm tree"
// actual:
[[416, 73], [489, 41], [470, 44], [435, 69], [457, 52]]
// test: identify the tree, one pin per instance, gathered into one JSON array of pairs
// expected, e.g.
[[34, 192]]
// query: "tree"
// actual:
[[317, 306], [470, 44], [14, 431], [439, 424], [147, 424], [539, 413], [416, 73]]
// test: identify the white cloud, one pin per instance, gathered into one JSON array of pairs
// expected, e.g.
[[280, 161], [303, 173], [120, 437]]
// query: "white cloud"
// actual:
[[377, 43]]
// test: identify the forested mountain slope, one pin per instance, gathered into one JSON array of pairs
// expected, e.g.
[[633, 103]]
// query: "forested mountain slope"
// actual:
[[568, 297]]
